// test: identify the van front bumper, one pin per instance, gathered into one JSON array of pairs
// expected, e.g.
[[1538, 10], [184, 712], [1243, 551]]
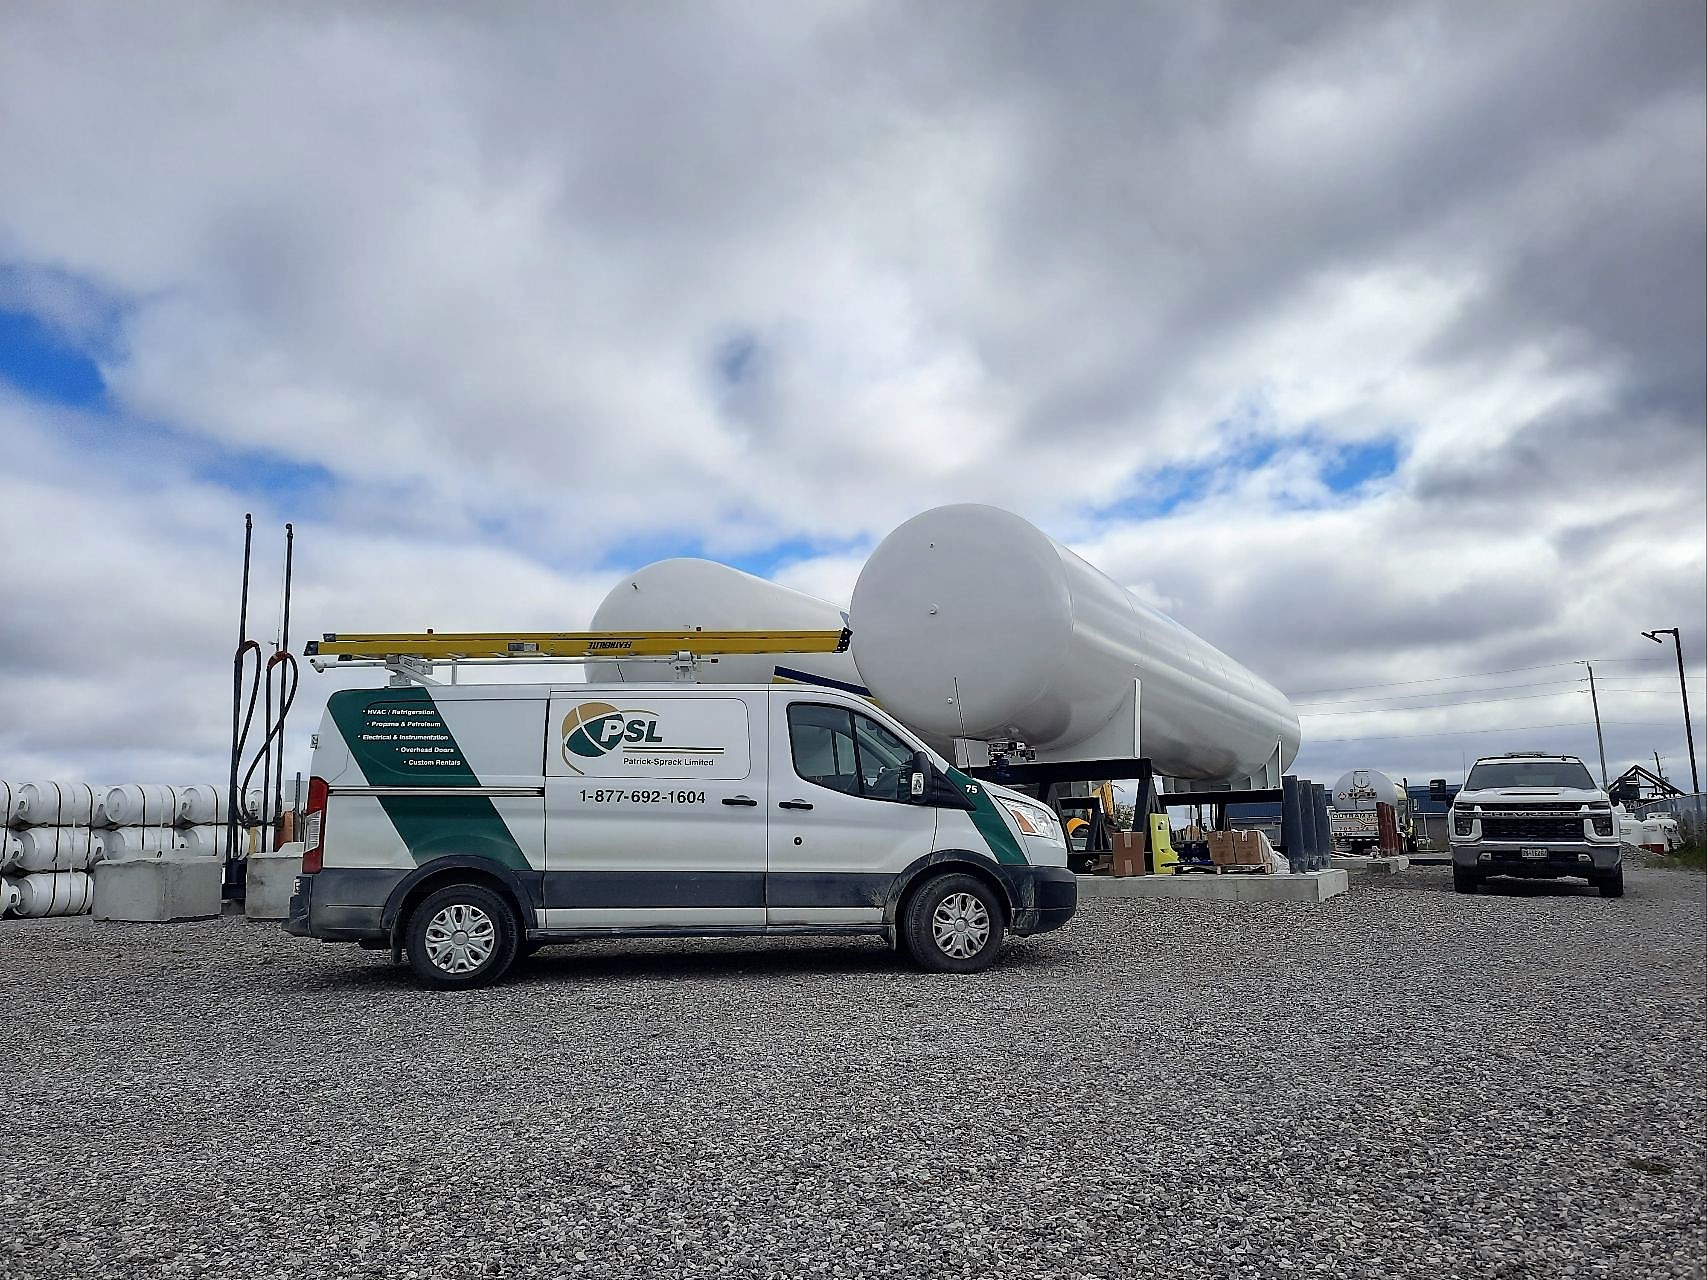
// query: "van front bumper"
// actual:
[[1048, 898]]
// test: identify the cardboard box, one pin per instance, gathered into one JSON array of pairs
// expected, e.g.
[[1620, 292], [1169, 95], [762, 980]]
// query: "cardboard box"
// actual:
[[1220, 847], [1128, 856], [1235, 848]]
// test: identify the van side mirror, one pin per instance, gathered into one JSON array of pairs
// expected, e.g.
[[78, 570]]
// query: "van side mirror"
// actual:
[[920, 777]]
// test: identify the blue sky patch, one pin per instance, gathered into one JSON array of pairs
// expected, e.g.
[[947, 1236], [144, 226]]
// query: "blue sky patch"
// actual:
[[1354, 466], [736, 359], [633, 553], [1343, 469], [291, 486], [44, 366]]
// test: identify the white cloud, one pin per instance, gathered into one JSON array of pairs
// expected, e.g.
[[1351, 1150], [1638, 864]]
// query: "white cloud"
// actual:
[[529, 289]]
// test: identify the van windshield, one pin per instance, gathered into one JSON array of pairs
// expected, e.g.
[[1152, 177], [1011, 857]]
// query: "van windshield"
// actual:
[[1529, 773]]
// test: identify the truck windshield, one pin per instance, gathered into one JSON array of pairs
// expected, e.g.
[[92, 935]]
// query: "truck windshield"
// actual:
[[1529, 773]]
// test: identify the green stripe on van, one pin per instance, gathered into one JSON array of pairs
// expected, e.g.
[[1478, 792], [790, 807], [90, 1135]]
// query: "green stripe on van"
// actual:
[[398, 738], [989, 820]]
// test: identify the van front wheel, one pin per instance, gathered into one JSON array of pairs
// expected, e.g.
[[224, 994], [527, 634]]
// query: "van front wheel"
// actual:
[[953, 924], [463, 935]]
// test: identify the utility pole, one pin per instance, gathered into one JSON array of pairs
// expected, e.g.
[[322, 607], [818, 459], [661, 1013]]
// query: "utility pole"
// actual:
[[1599, 740], [1683, 688]]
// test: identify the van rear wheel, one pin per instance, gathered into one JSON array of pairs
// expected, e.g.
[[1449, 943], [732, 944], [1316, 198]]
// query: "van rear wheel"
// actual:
[[953, 924], [463, 935]]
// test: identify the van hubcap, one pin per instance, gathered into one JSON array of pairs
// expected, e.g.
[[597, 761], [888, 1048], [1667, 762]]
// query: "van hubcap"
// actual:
[[961, 925], [461, 938]]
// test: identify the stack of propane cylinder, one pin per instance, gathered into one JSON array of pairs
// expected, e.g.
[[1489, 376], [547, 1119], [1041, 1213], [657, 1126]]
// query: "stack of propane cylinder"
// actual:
[[53, 833]]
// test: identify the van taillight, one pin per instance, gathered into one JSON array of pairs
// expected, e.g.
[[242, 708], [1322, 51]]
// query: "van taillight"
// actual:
[[314, 827]]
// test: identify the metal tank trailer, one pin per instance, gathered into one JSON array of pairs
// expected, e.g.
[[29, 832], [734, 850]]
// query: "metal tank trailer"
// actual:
[[1370, 812], [1014, 657]]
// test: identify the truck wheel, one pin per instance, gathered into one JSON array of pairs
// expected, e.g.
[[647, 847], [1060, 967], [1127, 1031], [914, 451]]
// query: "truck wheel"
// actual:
[[1465, 881], [1611, 883], [953, 924], [463, 935]]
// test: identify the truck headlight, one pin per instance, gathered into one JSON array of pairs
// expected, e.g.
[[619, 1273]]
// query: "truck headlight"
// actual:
[[1036, 821], [1463, 822], [1603, 824]]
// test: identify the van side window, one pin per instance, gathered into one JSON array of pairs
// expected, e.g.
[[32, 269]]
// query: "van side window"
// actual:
[[847, 752], [821, 739], [884, 760]]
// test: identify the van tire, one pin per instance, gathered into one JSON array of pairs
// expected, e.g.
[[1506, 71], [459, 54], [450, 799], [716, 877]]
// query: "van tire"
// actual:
[[485, 925], [953, 924]]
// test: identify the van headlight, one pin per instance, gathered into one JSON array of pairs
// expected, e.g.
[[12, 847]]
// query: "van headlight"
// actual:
[[1463, 822], [1036, 822]]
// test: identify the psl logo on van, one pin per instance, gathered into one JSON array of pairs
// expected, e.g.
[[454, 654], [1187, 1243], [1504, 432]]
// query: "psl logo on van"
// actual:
[[594, 729]]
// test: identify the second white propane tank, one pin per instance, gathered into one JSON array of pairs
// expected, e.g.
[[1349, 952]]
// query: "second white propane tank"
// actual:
[[200, 804], [1362, 789], [206, 841], [48, 849], [970, 622], [673, 595], [135, 804], [54, 804], [54, 893], [119, 844]]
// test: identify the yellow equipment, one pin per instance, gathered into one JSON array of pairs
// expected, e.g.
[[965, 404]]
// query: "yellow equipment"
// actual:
[[571, 644], [1163, 859]]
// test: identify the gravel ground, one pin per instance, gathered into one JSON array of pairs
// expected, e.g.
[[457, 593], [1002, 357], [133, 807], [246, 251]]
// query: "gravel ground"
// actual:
[[1400, 1082]]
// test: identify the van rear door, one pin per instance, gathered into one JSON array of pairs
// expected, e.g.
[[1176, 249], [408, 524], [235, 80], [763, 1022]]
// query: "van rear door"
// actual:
[[656, 802]]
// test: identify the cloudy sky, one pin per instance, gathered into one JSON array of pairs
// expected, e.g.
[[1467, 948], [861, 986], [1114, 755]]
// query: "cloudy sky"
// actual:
[[1365, 339]]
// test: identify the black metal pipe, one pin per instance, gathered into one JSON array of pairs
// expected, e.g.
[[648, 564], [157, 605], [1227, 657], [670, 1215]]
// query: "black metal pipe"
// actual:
[[284, 647], [237, 696]]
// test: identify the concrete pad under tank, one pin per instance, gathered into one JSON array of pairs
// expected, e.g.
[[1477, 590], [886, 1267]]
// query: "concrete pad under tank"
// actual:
[[1308, 886]]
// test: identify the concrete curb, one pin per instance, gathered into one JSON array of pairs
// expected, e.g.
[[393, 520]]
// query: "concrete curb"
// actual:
[[1310, 886]]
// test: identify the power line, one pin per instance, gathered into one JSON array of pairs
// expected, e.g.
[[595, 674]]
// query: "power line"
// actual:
[[1504, 671], [1443, 706], [1447, 693], [1471, 733], [1475, 675]]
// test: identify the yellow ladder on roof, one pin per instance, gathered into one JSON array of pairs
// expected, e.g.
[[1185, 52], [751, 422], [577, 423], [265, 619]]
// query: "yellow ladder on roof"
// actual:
[[441, 645]]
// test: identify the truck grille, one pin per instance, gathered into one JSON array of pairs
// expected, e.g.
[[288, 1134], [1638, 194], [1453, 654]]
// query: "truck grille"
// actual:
[[1532, 828]]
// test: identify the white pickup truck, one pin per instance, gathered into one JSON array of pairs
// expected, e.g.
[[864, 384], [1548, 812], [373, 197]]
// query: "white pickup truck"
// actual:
[[1536, 816]]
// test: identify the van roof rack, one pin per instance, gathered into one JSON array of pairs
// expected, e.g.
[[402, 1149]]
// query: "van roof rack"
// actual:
[[412, 655]]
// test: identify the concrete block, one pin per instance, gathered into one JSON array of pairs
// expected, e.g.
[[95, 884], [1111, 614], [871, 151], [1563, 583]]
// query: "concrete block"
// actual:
[[270, 878], [1379, 866], [158, 889], [1306, 886]]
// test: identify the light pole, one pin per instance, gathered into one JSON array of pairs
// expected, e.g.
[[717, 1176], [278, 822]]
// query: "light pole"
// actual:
[[1683, 688], [1599, 741]]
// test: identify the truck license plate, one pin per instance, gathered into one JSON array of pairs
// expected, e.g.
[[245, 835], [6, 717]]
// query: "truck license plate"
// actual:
[[1534, 853]]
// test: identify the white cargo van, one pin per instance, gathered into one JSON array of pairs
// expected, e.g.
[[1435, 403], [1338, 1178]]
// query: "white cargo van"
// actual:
[[463, 825]]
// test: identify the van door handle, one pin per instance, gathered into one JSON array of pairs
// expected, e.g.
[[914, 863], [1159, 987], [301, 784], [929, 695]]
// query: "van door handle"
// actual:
[[794, 804], [743, 801]]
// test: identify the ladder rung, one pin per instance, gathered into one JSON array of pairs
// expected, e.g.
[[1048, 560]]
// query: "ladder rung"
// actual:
[[572, 644]]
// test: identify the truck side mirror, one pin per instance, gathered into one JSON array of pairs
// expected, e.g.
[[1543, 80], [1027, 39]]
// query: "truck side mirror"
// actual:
[[1437, 790], [920, 777]]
